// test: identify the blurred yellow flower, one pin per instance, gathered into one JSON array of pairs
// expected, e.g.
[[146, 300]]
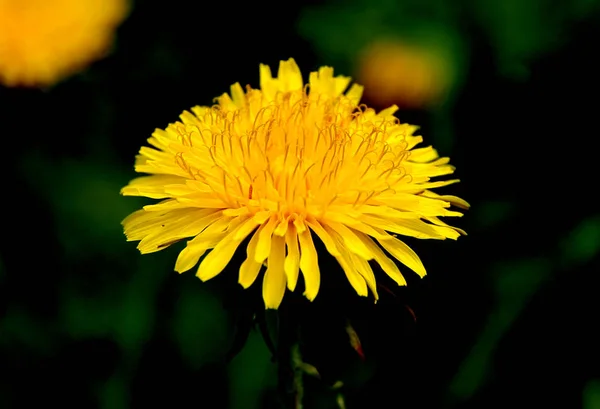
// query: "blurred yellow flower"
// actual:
[[44, 41], [396, 72], [279, 163]]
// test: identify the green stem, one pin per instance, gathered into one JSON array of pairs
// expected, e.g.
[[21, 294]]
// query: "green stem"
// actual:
[[289, 358], [296, 359], [341, 402]]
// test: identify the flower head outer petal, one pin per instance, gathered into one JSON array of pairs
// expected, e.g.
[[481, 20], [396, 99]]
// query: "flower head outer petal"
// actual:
[[221, 254], [292, 260], [356, 280], [404, 254], [206, 240], [274, 281], [250, 268], [309, 265], [386, 264], [365, 270], [263, 246]]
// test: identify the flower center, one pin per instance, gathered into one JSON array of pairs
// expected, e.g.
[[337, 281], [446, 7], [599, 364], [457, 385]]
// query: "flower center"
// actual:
[[299, 154]]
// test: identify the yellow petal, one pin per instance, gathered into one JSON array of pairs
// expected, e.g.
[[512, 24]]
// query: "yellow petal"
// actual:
[[154, 155], [404, 254], [275, 279], [324, 236], [181, 189], [342, 214], [352, 243], [289, 75], [387, 212], [443, 229], [162, 167], [195, 249], [355, 279], [161, 139], [282, 227], [151, 186], [167, 205], [237, 95], [240, 211], [166, 230], [413, 228], [365, 270], [292, 260], [417, 204], [423, 155], [219, 226], [266, 79], [439, 167], [340, 84], [219, 257], [354, 94], [262, 216], [418, 188], [309, 264], [369, 230], [202, 220], [137, 218], [204, 200], [300, 225], [263, 247], [155, 228], [389, 111], [456, 201], [187, 118], [438, 222], [387, 265], [142, 223], [244, 230], [250, 268]]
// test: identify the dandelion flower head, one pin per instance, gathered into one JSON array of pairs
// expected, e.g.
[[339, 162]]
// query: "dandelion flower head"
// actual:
[[42, 41], [285, 165]]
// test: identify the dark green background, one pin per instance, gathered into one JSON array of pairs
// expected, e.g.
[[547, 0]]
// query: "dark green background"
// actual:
[[508, 316]]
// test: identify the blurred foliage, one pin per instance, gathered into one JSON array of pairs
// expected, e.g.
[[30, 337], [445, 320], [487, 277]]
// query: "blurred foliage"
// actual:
[[582, 244], [506, 317], [518, 31], [514, 283], [591, 395], [521, 31], [341, 31]]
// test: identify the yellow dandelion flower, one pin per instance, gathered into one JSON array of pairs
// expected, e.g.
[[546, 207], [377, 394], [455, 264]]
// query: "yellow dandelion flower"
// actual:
[[42, 42], [410, 75], [284, 165]]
